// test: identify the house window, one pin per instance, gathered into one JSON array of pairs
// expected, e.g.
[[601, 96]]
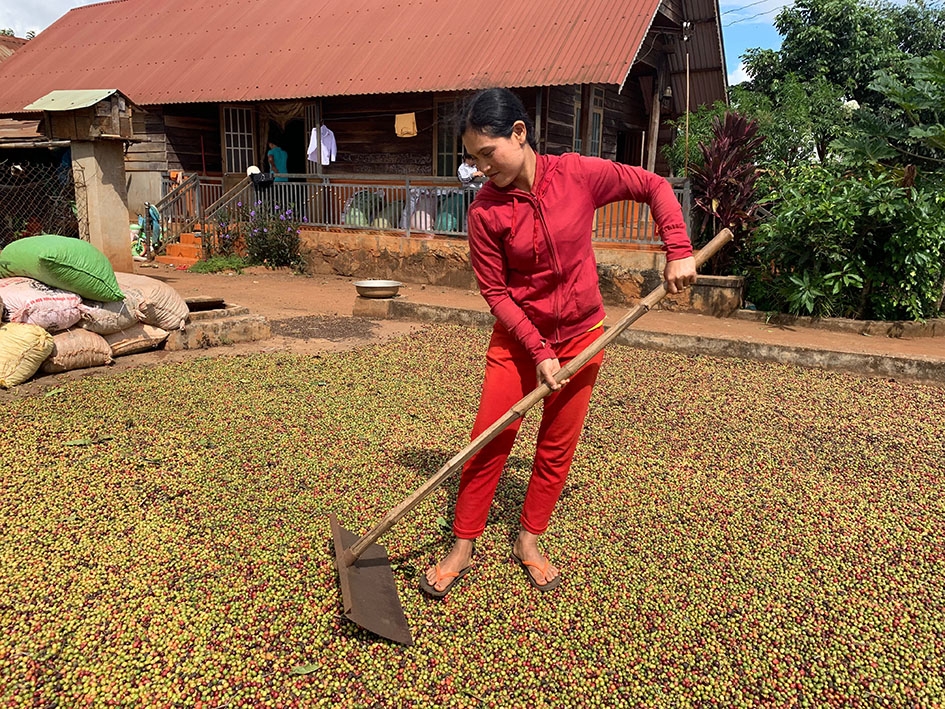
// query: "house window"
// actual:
[[449, 142], [238, 143], [597, 124]]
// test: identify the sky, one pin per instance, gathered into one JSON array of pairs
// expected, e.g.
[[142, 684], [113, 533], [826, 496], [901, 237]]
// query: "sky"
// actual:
[[746, 24]]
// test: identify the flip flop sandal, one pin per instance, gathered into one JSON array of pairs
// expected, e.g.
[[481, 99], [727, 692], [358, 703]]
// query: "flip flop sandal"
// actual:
[[543, 587], [431, 590]]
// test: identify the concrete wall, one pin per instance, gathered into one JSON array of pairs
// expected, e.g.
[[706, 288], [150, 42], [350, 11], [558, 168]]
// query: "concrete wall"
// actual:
[[361, 254], [625, 275], [99, 168], [142, 187]]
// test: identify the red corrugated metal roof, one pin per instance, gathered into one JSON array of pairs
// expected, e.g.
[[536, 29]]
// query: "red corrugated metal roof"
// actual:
[[181, 51]]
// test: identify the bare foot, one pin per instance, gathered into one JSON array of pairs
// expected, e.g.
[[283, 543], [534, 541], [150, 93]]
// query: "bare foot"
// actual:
[[526, 549], [459, 558]]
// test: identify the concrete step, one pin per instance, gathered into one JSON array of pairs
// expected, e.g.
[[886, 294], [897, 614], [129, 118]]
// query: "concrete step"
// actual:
[[184, 250], [190, 238], [177, 261]]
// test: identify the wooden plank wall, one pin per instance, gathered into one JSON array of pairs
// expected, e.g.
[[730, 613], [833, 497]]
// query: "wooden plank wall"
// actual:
[[176, 138], [623, 113], [364, 131], [150, 155], [558, 129], [193, 138]]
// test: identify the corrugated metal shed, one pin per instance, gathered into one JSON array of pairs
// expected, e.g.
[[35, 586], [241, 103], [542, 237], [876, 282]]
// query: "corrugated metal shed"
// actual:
[[181, 51], [69, 100], [12, 130]]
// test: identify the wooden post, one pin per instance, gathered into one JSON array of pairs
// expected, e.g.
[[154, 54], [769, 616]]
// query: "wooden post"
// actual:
[[586, 108], [654, 131]]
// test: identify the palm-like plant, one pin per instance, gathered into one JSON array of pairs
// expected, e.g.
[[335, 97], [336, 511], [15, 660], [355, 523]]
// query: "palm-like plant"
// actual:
[[724, 185]]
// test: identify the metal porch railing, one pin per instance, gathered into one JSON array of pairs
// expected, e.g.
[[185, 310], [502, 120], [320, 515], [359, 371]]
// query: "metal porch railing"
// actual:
[[408, 205], [182, 208]]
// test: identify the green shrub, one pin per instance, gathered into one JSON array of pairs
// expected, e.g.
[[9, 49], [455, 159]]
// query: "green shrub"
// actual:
[[272, 239], [266, 233], [215, 264], [864, 245]]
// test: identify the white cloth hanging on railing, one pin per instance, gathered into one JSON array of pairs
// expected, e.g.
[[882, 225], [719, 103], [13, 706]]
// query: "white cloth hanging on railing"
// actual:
[[322, 145]]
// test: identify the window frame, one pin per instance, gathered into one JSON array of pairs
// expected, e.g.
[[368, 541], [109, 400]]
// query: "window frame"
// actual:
[[597, 124], [448, 148], [244, 147]]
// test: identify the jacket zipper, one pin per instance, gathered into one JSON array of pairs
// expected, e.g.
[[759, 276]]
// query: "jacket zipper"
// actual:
[[554, 266]]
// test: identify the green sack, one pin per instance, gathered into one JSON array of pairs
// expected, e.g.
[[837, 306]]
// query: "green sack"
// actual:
[[62, 262]]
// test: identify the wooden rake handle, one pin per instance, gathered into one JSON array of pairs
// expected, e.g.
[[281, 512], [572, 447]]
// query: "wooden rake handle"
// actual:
[[352, 553]]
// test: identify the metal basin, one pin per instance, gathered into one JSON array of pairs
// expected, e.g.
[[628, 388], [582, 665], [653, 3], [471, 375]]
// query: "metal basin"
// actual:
[[377, 288]]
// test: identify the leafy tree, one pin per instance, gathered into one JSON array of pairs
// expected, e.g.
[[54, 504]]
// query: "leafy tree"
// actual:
[[843, 41], [846, 42], [799, 119], [914, 124], [7, 32], [683, 154], [919, 27]]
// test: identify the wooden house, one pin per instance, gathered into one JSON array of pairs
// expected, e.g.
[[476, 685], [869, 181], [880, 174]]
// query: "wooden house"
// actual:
[[219, 80]]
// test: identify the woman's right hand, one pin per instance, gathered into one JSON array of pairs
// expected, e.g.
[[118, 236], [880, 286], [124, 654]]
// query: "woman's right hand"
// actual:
[[547, 369]]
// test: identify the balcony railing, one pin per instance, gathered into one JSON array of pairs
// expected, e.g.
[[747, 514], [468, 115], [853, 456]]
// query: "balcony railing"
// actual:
[[631, 224], [408, 205]]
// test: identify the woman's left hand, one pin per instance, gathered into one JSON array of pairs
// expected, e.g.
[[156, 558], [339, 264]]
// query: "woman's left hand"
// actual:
[[547, 369], [679, 274]]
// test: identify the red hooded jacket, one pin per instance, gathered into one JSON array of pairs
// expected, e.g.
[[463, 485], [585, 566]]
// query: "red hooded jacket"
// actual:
[[531, 252]]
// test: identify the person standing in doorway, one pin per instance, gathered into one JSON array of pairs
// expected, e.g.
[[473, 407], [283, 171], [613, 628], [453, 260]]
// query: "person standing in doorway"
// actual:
[[530, 247], [278, 162]]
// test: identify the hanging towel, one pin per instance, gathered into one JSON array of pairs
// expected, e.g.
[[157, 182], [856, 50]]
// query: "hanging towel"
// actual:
[[405, 125], [329, 148], [312, 151]]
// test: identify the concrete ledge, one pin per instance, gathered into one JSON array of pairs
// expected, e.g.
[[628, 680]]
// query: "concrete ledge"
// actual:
[[918, 370], [625, 275], [405, 310], [377, 254], [229, 311], [934, 327], [219, 331]]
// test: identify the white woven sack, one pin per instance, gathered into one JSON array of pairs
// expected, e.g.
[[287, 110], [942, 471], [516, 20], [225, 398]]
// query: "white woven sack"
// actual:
[[28, 301], [137, 338], [22, 350], [106, 318], [157, 303], [77, 349]]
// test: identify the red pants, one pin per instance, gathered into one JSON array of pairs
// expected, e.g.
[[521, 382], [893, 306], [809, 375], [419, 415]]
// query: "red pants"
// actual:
[[510, 375]]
